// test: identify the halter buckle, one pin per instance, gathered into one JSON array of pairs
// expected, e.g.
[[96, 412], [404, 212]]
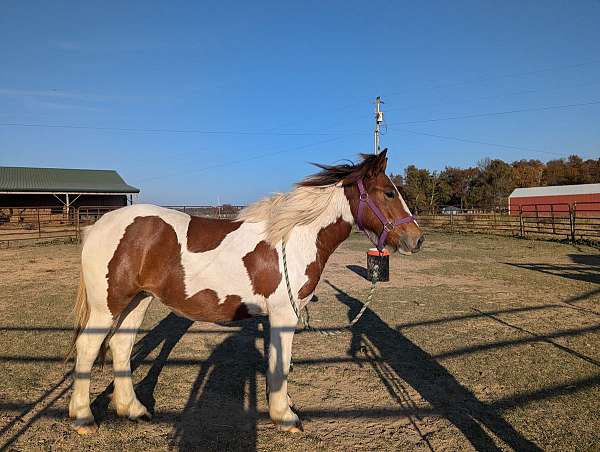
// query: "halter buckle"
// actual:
[[389, 226], [363, 196]]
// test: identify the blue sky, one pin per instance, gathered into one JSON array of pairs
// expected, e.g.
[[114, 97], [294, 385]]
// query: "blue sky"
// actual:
[[228, 101]]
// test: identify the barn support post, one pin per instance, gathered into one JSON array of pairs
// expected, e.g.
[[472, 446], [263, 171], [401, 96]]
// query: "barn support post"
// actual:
[[77, 234], [38, 223]]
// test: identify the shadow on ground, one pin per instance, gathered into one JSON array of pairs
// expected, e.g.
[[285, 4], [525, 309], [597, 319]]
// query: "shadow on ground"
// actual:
[[584, 268], [432, 381], [359, 270], [221, 410]]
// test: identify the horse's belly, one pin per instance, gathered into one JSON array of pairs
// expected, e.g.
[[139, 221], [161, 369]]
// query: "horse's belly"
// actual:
[[207, 306]]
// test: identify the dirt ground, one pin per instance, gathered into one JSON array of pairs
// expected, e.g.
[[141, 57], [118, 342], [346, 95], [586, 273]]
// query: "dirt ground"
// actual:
[[477, 342]]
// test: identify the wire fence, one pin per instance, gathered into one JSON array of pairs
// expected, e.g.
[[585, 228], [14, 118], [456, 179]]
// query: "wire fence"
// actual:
[[226, 211], [562, 221]]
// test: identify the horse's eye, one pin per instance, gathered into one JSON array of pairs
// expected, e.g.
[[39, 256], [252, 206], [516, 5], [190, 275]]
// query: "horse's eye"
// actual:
[[390, 194]]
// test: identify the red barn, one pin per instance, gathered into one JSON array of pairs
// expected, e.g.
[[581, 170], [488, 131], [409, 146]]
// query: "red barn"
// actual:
[[585, 198]]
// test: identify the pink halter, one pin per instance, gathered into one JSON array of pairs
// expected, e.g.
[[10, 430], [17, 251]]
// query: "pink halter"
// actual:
[[388, 225]]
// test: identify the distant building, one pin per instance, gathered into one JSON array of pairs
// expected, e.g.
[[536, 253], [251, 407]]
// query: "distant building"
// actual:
[[557, 199], [62, 188]]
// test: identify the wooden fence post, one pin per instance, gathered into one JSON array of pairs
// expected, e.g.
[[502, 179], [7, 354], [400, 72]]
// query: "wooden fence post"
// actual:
[[521, 221], [39, 224], [573, 215], [552, 214]]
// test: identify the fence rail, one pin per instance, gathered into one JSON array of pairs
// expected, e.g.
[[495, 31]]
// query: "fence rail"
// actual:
[[47, 223], [566, 221], [572, 222]]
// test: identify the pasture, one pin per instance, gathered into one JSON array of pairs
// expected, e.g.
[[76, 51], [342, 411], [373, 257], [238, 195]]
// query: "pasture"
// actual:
[[477, 342]]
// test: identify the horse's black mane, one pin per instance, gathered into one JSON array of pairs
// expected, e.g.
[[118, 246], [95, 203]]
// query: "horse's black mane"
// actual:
[[348, 172]]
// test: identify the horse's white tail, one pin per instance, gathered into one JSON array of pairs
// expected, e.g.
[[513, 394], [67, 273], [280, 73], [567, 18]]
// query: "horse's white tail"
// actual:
[[81, 311]]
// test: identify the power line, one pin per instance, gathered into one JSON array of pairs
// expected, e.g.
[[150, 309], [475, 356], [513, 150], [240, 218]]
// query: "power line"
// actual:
[[195, 131], [486, 143], [483, 79], [499, 113], [244, 160], [494, 96], [311, 133]]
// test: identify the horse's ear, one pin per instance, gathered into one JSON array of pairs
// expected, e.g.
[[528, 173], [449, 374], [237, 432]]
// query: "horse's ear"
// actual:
[[379, 165]]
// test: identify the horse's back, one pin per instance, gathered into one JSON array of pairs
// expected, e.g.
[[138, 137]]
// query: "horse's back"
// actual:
[[108, 231]]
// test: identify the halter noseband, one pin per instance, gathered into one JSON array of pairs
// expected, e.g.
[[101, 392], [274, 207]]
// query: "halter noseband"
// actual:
[[388, 226]]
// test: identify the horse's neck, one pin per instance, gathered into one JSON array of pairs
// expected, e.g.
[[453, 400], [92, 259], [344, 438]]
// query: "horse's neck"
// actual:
[[312, 244]]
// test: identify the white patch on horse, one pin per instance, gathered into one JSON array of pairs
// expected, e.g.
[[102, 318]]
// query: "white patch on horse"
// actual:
[[404, 205], [222, 269], [301, 246]]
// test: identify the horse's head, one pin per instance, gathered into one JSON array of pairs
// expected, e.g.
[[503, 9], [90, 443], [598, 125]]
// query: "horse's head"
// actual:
[[378, 206], [375, 202]]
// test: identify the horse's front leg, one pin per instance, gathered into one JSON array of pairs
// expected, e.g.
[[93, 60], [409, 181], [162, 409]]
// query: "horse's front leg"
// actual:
[[283, 325]]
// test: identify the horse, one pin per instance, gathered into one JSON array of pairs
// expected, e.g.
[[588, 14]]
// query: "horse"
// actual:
[[217, 270]]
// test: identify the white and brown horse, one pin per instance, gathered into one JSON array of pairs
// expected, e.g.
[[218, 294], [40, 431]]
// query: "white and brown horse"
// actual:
[[220, 271]]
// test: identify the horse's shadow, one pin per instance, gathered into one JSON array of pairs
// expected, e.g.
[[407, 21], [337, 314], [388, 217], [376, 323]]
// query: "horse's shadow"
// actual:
[[221, 411], [216, 416], [431, 380]]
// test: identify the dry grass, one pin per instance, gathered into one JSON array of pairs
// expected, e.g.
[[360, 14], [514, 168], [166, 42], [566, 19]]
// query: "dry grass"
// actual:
[[477, 342]]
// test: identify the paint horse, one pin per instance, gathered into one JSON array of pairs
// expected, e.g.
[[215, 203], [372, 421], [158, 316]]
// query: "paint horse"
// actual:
[[214, 270]]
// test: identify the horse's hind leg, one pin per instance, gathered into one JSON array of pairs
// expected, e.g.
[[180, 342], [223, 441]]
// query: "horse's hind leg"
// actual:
[[88, 344], [121, 344]]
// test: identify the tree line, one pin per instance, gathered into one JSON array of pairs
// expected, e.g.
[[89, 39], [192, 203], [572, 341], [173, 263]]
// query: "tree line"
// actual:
[[488, 184]]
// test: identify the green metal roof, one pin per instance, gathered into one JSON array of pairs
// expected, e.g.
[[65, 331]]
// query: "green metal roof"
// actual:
[[61, 180]]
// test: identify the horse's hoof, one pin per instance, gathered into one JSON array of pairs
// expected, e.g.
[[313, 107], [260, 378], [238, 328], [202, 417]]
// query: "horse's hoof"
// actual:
[[135, 411], [145, 417], [290, 428], [294, 429], [87, 429]]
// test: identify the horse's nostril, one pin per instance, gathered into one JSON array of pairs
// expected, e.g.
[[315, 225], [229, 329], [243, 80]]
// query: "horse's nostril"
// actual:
[[420, 242]]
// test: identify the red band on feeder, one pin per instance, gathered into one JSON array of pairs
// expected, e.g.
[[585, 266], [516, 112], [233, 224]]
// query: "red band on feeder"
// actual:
[[376, 252]]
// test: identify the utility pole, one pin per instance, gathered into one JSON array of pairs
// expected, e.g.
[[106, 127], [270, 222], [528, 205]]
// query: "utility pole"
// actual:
[[378, 121]]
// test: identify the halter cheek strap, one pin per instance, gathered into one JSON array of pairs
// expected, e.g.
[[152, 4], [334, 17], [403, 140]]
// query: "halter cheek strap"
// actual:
[[388, 226]]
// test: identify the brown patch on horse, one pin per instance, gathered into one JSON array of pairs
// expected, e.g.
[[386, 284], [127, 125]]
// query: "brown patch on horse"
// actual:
[[328, 239], [148, 259], [205, 234], [262, 265], [380, 183], [202, 304]]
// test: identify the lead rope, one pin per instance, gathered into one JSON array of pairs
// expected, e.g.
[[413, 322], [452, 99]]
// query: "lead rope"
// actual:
[[303, 315]]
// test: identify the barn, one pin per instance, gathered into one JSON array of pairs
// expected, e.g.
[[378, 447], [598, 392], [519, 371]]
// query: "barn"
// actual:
[[584, 199], [62, 188]]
